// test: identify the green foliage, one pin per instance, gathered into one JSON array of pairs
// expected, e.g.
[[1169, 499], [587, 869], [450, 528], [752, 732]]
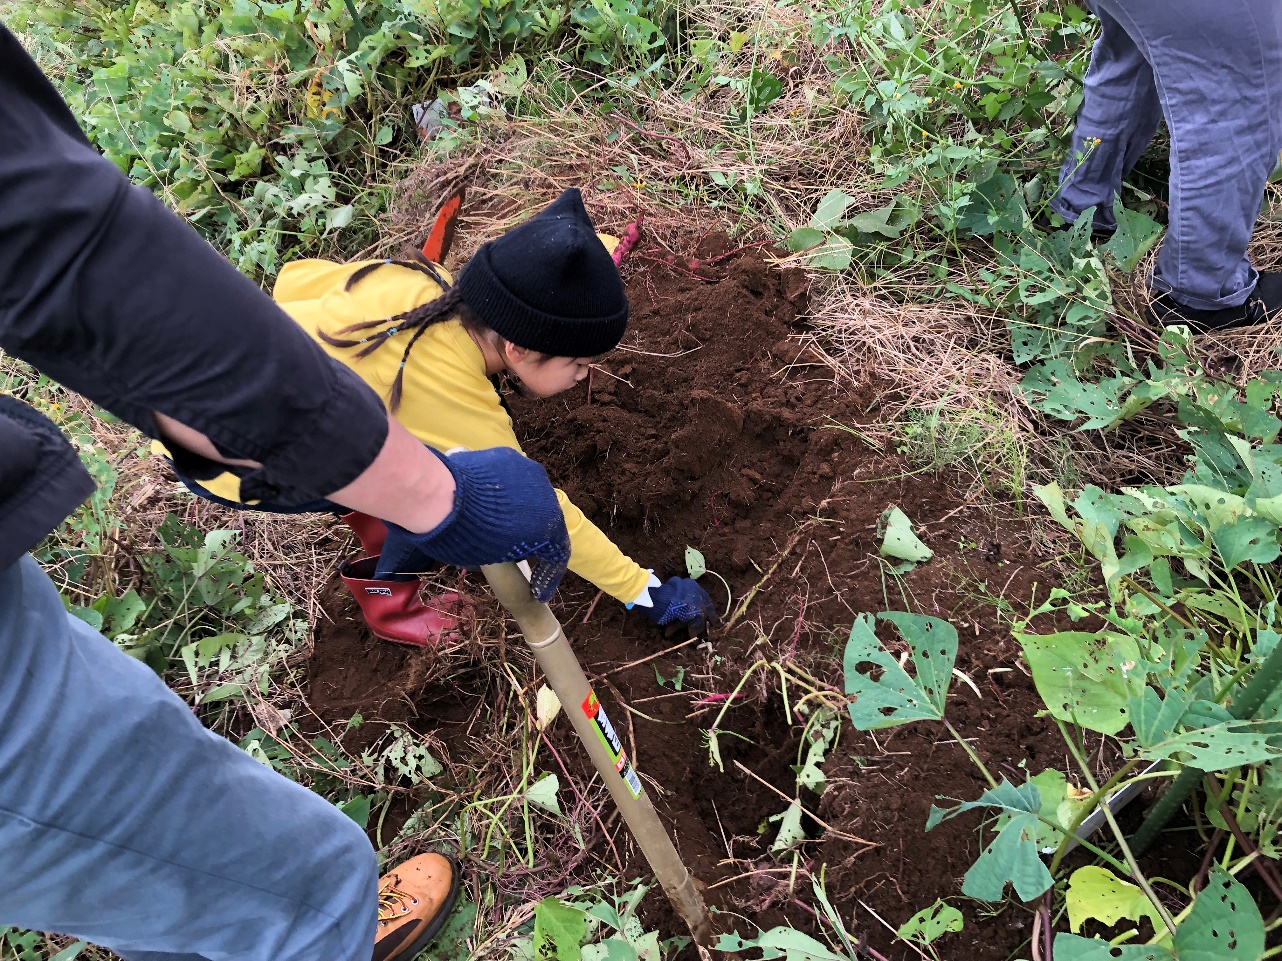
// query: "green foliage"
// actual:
[[820, 736], [830, 240], [558, 930], [781, 943], [899, 541], [930, 924], [1012, 856], [256, 119], [1223, 925], [1085, 678], [1099, 894], [203, 608], [893, 697]]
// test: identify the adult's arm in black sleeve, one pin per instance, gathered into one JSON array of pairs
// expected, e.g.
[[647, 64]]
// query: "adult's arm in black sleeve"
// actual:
[[107, 291]]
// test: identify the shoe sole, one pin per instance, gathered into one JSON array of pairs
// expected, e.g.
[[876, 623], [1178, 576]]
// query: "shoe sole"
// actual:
[[434, 928]]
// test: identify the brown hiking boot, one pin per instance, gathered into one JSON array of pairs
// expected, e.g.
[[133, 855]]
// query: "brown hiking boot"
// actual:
[[414, 901]]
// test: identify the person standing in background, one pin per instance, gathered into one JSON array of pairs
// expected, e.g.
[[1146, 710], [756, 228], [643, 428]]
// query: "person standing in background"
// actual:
[[1214, 72]]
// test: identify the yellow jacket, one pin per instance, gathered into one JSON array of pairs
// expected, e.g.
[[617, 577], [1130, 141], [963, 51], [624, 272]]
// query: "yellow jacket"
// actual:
[[447, 402]]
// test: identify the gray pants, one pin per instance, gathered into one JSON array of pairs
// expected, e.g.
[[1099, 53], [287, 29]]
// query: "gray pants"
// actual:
[[1213, 69], [126, 823]]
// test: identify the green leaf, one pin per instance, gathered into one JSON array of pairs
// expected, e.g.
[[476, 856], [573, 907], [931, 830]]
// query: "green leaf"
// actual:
[[804, 238], [542, 794], [835, 254], [791, 832], [1070, 947], [877, 221], [357, 809], [696, 567], [1249, 539], [383, 137], [1224, 925], [336, 218], [1154, 718], [821, 735], [70, 952], [1218, 747], [1012, 857], [932, 922], [895, 698], [558, 929], [831, 209], [899, 541], [452, 943], [780, 942], [1085, 678], [611, 949], [1134, 237], [1096, 892]]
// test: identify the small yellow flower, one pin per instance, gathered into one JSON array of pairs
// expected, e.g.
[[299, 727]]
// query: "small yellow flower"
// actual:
[[925, 133], [957, 85], [930, 99], [638, 184]]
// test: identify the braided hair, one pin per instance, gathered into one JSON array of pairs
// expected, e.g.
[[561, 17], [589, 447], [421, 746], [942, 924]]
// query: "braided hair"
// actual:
[[449, 304]]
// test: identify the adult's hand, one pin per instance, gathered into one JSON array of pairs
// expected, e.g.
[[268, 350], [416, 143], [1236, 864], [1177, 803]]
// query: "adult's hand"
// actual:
[[504, 509]]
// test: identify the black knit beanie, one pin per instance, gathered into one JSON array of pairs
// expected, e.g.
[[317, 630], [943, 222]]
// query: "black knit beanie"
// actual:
[[549, 285]]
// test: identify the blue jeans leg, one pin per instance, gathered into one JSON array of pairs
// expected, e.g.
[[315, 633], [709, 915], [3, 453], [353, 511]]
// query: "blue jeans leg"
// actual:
[[1120, 110], [126, 823]]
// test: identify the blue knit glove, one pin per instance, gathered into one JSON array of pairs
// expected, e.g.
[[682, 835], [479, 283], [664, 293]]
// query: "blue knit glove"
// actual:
[[680, 602], [504, 510]]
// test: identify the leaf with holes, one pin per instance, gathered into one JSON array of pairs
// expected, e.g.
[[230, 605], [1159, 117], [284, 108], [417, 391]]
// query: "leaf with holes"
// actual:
[[1219, 747], [930, 923], [1098, 893], [1134, 237], [894, 697], [780, 942], [696, 566], [1070, 947], [1224, 925], [1085, 678], [558, 929], [1248, 539]]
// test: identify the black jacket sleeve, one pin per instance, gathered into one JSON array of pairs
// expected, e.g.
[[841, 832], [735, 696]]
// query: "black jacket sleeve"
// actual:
[[105, 290]]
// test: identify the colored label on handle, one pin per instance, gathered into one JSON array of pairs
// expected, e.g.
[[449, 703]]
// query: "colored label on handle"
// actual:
[[593, 710]]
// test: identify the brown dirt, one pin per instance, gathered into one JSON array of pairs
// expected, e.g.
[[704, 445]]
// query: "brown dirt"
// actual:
[[731, 446]]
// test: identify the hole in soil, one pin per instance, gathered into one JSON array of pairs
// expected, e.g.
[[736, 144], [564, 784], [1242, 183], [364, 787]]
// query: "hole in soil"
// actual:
[[717, 435]]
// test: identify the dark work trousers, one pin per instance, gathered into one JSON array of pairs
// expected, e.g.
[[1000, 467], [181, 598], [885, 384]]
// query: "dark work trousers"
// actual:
[[1213, 70]]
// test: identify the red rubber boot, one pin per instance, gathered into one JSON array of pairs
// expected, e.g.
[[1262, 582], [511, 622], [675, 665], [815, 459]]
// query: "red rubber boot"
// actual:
[[370, 531], [393, 609]]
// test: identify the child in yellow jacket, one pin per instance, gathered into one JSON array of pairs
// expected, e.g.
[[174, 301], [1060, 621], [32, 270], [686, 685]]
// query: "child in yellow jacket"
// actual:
[[541, 303]]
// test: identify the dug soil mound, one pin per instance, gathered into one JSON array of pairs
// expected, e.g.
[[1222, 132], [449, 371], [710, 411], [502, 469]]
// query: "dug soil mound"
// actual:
[[716, 428]]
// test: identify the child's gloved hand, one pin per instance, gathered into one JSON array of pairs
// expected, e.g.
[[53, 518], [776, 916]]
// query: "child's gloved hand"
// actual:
[[681, 602], [504, 510]]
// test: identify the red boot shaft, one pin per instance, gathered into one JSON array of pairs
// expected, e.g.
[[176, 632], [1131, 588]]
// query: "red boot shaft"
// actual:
[[370, 531], [393, 609]]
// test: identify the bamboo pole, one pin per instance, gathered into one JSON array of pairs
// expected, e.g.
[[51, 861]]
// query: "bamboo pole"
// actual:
[[555, 656]]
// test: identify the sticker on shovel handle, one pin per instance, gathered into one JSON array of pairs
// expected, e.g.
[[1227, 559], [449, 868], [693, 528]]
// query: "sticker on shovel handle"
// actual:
[[593, 710]]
